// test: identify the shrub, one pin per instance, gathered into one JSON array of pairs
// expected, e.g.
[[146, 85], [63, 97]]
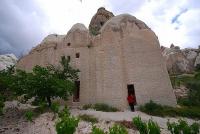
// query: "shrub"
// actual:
[[118, 129], [153, 127], [140, 125], [88, 118], [182, 127], [42, 107], [64, 113], [152, 108], [29, 115], [87, 106], [96, 130], [66, 125], [55, 107], [104, 108], [159, 110]]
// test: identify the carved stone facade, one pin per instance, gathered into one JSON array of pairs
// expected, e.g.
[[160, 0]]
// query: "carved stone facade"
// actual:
[[126, 52]]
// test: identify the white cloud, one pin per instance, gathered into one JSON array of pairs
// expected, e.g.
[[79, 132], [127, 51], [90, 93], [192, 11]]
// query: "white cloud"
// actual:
[[159, 14], [62, 14], [25, 23]]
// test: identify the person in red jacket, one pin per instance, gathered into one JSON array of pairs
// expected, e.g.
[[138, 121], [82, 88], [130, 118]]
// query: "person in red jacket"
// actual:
[[131, 101]]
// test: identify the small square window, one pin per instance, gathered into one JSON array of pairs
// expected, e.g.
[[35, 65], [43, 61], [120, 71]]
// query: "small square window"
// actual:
[[77, 55], [68, 44]]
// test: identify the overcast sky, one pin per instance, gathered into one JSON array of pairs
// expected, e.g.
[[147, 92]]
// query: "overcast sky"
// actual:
[[24, 23]]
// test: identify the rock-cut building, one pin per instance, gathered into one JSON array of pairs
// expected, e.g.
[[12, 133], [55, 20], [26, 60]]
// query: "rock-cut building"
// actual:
[[117, 55]]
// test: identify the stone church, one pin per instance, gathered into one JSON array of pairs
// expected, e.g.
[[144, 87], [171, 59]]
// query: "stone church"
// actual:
[[116, 55]]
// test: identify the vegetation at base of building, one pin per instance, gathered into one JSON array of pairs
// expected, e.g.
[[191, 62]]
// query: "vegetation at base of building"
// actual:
[[87, 106], [66, 123], [100, 107], [29, 115], [150, 127], [182, 127], [88, 118], [43, 83], [155, 109]]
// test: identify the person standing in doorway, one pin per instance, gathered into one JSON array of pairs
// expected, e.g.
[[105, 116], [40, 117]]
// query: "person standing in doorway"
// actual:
[[131, 101]]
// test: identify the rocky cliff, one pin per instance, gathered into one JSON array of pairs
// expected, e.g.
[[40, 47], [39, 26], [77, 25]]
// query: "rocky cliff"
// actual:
[[99, 19], [180, 60], [7, 60]]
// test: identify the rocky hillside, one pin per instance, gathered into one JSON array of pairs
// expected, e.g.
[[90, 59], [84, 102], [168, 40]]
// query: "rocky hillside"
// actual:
[[181, 60], [7, 60]]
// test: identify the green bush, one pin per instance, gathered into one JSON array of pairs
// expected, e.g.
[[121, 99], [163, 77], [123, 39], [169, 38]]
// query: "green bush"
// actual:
[[64, 113], [87, 106], [152, 108], [104, 107], [140, 125], [118, 129], [42, 107], [55, 107], [29, 115], [67, 125], [150, 127], [153, 127], [182, 127], [96, 130], [88, 118]]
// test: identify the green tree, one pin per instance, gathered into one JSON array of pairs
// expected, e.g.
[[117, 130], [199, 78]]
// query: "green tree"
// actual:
[[46, 83]]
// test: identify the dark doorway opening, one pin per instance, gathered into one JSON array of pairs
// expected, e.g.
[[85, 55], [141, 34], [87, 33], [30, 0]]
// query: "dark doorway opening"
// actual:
[[76, 92], [131, 90], [101, 23]]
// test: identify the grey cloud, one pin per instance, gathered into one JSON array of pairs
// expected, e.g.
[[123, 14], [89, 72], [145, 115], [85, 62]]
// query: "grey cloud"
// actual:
[[20, 26]]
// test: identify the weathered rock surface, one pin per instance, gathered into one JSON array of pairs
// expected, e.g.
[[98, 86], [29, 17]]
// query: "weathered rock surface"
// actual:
[[121, 54], [7, 60], [197, 60], [99, 19], [180, 60]]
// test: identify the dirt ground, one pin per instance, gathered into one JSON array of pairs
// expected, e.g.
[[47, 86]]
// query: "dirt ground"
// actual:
[[14, 122]]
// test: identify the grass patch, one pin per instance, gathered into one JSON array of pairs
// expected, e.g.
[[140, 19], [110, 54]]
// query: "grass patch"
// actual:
[[87, 106], [152, 108], [88, 118], [100, 107]]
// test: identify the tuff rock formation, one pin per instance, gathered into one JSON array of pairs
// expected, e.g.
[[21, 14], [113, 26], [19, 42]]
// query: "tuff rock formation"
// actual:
[[180, 60], [124, 57], [7, 60], [99, 19]]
